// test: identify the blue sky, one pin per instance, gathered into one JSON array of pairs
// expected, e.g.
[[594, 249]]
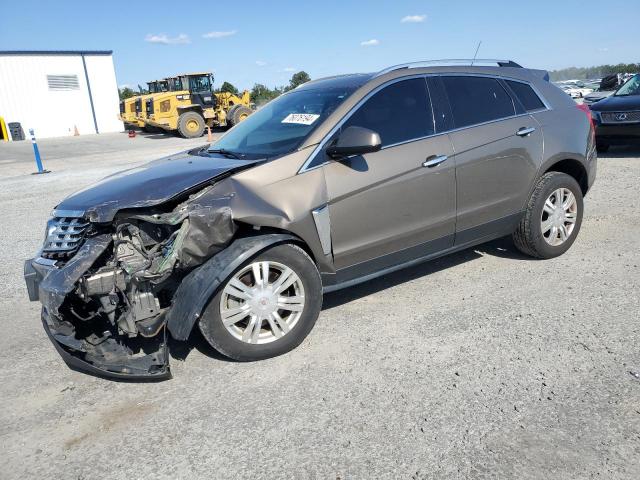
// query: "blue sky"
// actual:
[[265, 41]]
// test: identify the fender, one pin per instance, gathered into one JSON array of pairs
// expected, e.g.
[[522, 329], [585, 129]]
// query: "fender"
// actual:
[[201, 284]]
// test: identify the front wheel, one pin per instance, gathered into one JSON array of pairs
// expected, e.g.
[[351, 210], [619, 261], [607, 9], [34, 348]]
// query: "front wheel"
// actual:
[[265, 308], [191, 125], [552, 218]]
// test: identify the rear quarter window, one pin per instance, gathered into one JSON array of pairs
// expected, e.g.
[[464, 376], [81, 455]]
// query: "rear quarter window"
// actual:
[[477, 100], [527, 96]]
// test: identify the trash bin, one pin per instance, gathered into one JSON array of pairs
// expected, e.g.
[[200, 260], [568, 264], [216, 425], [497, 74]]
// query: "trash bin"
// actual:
[[16, 131]]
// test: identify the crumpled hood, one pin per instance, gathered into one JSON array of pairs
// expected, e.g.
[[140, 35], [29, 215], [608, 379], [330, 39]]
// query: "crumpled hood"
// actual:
[[148, 185]]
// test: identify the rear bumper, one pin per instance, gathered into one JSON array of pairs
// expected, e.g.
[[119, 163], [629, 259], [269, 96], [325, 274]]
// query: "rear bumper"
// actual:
[[628, 134], [108, 357]]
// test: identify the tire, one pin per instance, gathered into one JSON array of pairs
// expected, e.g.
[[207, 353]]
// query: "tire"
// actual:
[[602, 147], [239, 113], [191, 125], [230, 340], [529, 237]]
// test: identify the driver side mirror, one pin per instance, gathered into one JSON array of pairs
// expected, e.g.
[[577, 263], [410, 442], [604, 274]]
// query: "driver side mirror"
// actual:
[[354, 141]]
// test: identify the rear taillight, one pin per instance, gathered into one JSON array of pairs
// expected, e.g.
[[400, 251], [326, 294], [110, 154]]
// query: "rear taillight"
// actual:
[[587, 111]]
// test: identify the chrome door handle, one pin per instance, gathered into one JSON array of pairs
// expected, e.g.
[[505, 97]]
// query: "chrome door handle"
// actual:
[[523, 132], [434, 161]]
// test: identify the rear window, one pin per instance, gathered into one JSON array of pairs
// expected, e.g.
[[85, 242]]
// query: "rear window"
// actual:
[[477, 100], [528, 98]]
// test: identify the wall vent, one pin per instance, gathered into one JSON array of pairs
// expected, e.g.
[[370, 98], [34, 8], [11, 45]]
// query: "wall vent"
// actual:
[[63, 82]]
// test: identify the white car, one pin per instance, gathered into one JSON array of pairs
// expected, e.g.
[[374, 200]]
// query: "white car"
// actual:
[[576, 91]]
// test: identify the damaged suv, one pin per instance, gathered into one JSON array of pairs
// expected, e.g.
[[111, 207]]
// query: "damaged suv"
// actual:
[[334, 183]]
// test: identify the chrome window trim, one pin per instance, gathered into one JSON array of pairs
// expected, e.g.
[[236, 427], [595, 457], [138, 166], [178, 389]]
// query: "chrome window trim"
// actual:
[[304, 168]]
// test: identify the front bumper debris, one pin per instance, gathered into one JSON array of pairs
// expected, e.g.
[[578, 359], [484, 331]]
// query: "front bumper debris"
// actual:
[[99, 354]]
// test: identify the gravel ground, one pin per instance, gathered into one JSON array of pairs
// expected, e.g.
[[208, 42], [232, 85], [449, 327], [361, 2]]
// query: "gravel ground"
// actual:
[[484, 364]]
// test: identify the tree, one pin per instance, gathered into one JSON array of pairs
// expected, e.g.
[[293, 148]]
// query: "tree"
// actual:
[[261, 94], [298, 79], [228, 87], [582, 73], [126, 92]]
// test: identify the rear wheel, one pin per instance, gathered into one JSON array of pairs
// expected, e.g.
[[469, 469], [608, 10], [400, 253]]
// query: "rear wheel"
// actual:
[[239, 113], [265, 308], [191, 125], [553, 217]]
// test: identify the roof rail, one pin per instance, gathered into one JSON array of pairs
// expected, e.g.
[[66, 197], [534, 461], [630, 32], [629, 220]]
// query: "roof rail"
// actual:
[[451, 62]]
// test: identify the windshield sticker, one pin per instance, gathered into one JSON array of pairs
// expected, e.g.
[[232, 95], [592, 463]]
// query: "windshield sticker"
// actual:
[[301, 118]]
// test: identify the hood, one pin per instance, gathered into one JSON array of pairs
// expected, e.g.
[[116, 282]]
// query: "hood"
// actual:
[[149, 185], [617, 104]]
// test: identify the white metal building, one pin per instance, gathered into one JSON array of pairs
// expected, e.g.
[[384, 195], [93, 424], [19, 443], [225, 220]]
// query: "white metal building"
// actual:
[[57, 92]]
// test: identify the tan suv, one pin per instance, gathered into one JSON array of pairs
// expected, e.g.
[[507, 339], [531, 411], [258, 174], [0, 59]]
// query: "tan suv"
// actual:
[[336, 182]]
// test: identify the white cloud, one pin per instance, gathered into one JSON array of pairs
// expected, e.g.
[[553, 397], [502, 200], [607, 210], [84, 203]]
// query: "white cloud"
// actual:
[[228, 33], [260, 63], [370, 43], [603, 49], [413, 19], [164, 39], [288, 69], [123, 86]]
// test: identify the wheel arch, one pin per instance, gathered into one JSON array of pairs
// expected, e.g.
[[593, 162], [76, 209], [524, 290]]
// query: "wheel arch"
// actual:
[[199, 285], [574, 168]]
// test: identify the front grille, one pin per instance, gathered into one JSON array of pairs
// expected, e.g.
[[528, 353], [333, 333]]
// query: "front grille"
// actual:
[[64, 237], [620, 117]]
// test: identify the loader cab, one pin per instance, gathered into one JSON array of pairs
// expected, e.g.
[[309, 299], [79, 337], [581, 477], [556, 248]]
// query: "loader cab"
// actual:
[[200, 86], [158, 86]]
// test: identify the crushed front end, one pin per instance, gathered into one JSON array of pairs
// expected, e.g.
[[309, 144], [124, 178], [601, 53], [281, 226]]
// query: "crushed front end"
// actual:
[[106, 287]]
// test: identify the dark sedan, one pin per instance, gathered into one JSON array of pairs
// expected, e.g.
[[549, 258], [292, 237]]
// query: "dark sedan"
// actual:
[[617, 118]]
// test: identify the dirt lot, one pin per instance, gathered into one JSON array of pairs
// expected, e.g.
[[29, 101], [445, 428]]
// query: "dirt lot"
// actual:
[[485, 364]]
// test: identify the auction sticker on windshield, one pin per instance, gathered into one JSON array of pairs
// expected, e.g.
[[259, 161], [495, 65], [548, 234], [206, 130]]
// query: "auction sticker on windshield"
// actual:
[[301, 118]]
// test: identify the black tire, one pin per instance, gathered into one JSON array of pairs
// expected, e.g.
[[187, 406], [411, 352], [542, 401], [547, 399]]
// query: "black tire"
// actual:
[[528, 237], [191, 125], [238, 113], [602, 147], [223, 341]]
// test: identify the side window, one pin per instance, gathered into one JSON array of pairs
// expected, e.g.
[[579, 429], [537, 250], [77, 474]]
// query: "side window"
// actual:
[[476, 100], [399, 112], [528, 98]]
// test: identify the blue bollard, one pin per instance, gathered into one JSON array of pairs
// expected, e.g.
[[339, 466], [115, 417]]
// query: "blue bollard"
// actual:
[[36, 152]]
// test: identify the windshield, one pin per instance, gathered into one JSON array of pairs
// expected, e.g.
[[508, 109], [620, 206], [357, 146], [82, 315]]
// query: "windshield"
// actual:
[[200, 84], [281, 125], [632, 87]]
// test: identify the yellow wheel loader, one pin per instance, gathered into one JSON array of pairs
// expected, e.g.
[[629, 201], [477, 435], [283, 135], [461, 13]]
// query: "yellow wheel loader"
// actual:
[[195, 106], [156, 87], [131, 108]]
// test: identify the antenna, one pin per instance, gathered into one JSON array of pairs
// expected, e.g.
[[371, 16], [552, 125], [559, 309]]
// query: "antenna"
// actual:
[[476, 54]]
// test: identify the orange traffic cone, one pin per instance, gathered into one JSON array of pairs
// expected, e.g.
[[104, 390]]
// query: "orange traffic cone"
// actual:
[[209, 138], [76, 133]]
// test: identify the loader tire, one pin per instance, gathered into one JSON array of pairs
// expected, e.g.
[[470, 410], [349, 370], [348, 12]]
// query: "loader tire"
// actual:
[[191, 125], [238, 114]]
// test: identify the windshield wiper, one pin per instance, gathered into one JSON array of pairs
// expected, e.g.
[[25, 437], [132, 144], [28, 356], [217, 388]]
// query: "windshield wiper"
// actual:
[[226, 153]]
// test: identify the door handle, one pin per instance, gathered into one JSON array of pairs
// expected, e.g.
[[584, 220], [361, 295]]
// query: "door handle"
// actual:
[[523, 132], [434, 161]]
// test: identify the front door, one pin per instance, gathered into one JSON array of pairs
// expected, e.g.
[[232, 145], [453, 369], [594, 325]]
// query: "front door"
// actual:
[[396, 204]]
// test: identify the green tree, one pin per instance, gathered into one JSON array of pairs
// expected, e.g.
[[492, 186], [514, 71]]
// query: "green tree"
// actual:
[[261, 94], [583, 73], [298, 79], [126, 92], [228, 87]]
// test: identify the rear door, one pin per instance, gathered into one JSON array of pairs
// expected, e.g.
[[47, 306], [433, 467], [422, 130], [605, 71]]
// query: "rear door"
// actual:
[[389, 207], [498, 148]]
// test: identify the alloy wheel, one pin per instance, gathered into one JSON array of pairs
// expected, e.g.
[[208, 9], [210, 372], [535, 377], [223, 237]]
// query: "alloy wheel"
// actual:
[[262, 302], [559, 216]]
